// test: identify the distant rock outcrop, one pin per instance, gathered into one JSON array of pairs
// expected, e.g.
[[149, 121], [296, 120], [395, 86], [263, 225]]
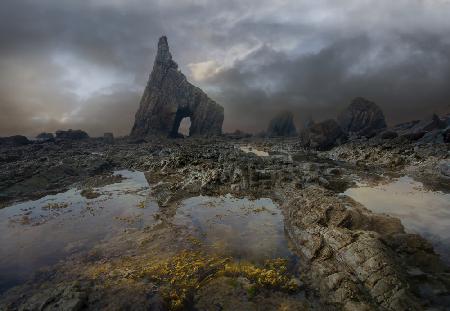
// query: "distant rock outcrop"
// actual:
[[282, 125], [45, 136], [169, 97], [16, 140], [362, 117], [71, 134], [431, 130], [108, 138], [323, 135]]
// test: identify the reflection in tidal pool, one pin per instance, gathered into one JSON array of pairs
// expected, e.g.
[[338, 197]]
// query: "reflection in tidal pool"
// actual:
[[420, 211], [35, 234], [245, 229]]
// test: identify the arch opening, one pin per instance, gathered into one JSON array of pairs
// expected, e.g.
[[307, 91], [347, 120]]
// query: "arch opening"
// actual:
[[182, 124], [185, 126]]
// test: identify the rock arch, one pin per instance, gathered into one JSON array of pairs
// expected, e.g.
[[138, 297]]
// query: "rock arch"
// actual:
[[169, 97]]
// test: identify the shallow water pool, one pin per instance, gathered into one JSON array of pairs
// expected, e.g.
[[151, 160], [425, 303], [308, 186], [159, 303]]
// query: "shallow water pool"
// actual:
[[39, 233], [246, 229], [250, 149], [420, 210]]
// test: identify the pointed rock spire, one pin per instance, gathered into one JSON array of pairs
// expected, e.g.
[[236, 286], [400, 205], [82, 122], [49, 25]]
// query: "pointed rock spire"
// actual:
[[169, 97], [163, 55]]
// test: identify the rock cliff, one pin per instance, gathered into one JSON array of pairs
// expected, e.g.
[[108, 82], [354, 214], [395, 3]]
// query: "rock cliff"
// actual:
[[169, 97]]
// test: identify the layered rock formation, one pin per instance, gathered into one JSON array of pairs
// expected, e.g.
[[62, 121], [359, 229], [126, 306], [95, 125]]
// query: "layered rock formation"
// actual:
[[362, 117], [282, 125], [169, 97]]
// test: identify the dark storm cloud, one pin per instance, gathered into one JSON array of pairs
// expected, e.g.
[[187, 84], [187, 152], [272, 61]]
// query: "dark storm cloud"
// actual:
[[320, 85], [83, 64]]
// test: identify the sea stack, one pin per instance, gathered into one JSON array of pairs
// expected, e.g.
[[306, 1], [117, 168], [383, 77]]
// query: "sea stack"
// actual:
[[169, 97], [362, 117], [282, 125]]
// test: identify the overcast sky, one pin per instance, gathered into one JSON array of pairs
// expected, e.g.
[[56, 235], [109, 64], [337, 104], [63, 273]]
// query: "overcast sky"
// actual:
[[84, 64]]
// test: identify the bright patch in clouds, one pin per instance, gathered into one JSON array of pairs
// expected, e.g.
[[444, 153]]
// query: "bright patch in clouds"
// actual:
[[85, 79], [204, 70]]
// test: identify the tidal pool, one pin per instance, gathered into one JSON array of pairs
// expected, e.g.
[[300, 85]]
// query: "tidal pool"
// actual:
[[245, 229], [39, 233], [420, 210], [250, 149]]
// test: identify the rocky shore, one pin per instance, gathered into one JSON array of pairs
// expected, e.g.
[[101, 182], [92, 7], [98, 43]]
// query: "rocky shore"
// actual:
[[350, 258]]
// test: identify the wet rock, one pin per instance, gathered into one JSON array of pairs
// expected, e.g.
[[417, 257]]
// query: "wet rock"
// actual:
[[17, 140], [169, 97], [63, 297], [362, 117], [282, 125], [346, 248], [71, 134], [323, 135], [228, 294], [89, 194]]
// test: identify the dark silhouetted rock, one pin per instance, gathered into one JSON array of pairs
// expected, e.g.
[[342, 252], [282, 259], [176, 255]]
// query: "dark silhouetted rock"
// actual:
[[16, 140], [282, 125], [169, 97], [237, 134], [434, 124], [447, 135], [108, 138], [428, 125], [45, 136], [323, 135], [362, 117], [430, 130], [414, 136], [389, 135], [71, 134]]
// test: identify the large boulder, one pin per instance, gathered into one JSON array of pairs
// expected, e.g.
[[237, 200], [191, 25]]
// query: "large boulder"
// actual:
[[169, 97], [71, 134], [362, 117], [16, 140], [282, 125], [323, 135]]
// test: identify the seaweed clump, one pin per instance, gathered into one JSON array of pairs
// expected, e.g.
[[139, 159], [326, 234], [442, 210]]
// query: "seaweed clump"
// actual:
[[178, 277]]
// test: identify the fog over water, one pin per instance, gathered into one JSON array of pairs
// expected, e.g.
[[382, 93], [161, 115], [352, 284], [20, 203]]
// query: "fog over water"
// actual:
[[84, 64]]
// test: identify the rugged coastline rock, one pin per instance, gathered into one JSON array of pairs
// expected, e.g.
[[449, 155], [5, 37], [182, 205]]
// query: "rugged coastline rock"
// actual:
[[362, 117], [352, 258], [45, 136], [282, 125], [71, 134], [323, 135], [16, 140], [169, 97]]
